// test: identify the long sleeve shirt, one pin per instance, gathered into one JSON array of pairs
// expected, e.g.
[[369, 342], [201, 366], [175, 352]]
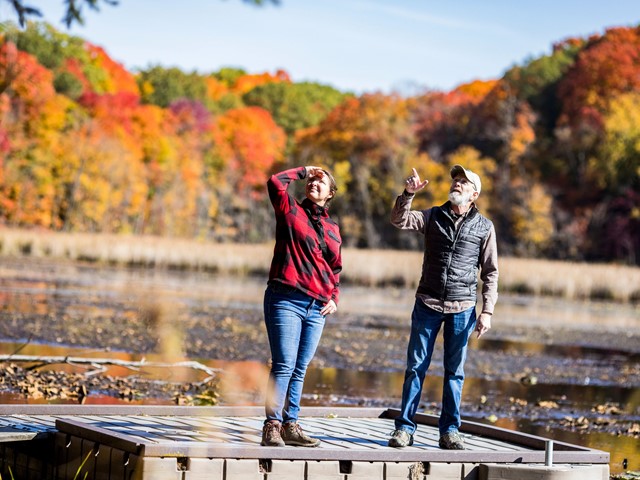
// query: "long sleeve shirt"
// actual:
[[417, 220], [298, 257]]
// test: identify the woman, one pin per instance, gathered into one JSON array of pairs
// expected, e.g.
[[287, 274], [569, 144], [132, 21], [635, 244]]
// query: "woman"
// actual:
[[302, 290]]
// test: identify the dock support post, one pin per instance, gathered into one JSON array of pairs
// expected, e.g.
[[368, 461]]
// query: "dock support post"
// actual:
[[548, 453]]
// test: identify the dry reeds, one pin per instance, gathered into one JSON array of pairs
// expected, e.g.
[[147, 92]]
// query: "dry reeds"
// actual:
[[375, 268], [144, 251], [572, 280]]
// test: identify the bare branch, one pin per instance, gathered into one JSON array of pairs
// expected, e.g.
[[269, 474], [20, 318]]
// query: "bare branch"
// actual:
[[99, 363]]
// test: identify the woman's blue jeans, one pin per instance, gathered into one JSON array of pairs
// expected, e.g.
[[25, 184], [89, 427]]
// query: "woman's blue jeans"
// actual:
[[294, 327], [425, 325]]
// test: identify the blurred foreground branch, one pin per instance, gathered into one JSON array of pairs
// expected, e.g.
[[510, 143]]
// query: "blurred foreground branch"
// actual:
[[100, 364]]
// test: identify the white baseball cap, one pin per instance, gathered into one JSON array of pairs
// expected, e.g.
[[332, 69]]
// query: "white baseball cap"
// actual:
[[468, 174]]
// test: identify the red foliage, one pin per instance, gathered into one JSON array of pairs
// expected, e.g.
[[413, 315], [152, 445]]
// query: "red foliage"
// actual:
[[25, 78], [114, 110], [439, 114], [608, 66]]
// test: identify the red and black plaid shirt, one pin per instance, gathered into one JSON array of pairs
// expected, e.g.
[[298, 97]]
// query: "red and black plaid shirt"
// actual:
[[298, 260]]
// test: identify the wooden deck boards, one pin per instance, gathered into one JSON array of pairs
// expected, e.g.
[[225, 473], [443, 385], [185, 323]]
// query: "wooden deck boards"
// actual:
[[350, 434]]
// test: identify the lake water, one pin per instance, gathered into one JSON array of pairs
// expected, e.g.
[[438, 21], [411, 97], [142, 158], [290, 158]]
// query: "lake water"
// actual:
[[41, 287]]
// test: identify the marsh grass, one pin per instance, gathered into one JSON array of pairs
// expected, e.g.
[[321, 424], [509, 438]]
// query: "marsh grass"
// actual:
[[11, 477], [375, 268]]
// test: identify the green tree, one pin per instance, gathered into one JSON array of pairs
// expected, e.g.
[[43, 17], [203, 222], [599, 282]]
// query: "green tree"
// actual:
[[537, 81], [51, 47], [67, 84], [162, 86], [295, 106], [228, 75]]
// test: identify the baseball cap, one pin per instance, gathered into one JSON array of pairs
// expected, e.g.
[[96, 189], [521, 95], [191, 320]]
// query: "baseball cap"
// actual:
[[468, 174]]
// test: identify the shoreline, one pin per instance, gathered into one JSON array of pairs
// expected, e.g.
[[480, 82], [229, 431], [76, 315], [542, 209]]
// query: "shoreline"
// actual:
[[368, 268]]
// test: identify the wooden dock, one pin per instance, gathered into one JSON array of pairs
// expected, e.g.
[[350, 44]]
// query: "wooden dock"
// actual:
[[60, 442]]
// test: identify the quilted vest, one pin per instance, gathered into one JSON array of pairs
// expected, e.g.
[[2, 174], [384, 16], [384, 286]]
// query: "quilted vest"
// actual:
[[452, 257]]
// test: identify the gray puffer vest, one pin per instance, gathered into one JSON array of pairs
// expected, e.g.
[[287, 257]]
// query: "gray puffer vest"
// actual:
[[451, 260]]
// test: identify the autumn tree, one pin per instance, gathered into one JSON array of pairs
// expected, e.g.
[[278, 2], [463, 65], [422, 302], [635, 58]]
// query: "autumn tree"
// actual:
[[368, 143], [607, 66], [537, 80], [617, 167], [32, 116], [247, 145], [614, 226], [78, 66]]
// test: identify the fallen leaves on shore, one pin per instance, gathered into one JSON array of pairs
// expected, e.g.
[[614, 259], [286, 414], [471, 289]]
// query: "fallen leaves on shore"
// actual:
[[59, 385]]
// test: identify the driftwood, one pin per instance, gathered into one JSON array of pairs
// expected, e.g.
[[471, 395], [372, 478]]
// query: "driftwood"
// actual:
[[100, 364]]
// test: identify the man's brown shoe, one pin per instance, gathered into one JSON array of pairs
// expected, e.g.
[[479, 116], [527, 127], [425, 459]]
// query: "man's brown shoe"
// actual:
[[271, 434], [292, 434]]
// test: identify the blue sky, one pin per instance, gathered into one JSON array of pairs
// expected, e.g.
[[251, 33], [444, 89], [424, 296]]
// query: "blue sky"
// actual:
[[355, 45]]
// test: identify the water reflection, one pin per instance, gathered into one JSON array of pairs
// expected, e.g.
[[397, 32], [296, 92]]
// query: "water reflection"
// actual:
[[611, 354], [622, 450]]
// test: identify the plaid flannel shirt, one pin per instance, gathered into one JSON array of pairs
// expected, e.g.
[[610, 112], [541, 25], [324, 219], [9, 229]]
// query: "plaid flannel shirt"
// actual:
[[298, 260]]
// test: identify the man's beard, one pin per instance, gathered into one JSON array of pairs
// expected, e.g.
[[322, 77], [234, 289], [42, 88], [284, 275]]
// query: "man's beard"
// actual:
[[458, 199]]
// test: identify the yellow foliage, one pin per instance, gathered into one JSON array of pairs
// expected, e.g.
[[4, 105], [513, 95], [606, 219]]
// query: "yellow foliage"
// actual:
[[621, 148], [146, 89], [439, 182], [485, 167], [532, 224], [341, 171]]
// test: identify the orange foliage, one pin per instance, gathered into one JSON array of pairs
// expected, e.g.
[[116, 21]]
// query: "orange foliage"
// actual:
[[248, 82], [364, 124], [215, 88], [118, 79], [476, 90], [249, 142]]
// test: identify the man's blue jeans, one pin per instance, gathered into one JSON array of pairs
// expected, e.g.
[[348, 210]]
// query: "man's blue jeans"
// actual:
[[294, 327], [425, 325]]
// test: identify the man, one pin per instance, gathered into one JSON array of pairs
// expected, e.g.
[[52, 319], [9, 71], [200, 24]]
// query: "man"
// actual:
[[458, 241]]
